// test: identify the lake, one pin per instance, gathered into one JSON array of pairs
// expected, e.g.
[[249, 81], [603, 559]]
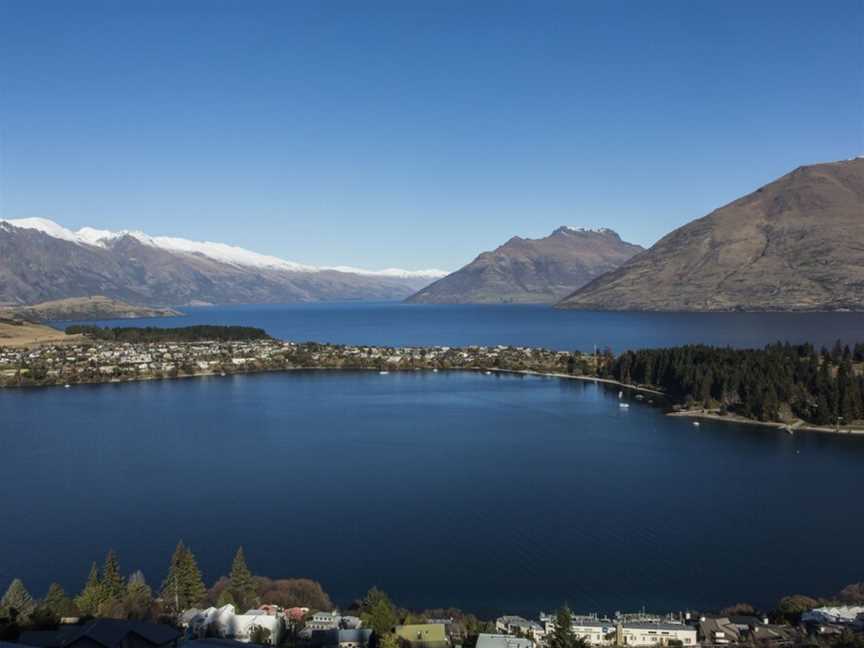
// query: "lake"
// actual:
[[490, 493], [395, 324]]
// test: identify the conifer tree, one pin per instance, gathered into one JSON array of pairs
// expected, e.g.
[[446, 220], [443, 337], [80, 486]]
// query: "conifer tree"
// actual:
[[138, 597], [112, 582], [17, 601], [93, 595], [563, 636], [240, 582], [378, 612], [183, 587], [226, 598], [57, 601]]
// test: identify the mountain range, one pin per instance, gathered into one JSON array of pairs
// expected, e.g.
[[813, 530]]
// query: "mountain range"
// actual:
[[796, 244], [41, 260], [532, 270]]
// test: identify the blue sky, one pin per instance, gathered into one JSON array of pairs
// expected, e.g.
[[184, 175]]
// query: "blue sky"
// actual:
[[414, 134]]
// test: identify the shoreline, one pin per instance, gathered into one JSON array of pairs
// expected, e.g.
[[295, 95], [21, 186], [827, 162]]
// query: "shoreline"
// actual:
[[791, 428], [798, 426]]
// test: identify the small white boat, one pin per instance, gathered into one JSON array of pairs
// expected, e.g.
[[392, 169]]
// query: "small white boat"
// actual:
[[624, 405], [620, 395], [434, 371], [66, 386], [383, 373], [488, 373], [696, 423]]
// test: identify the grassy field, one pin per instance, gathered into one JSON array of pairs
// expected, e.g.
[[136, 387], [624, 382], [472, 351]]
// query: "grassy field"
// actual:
[[14, 334]]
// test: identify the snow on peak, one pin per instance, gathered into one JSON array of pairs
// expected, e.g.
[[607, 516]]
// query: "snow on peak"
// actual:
[[221, 252], [431, 273], [45, 226], [588, 230]]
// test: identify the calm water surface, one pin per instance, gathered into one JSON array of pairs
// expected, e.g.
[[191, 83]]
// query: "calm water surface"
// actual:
[[491, 493], [391, 323]]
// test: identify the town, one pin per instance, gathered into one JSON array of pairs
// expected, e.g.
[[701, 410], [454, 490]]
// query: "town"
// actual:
[[87, 360], [113, 611]]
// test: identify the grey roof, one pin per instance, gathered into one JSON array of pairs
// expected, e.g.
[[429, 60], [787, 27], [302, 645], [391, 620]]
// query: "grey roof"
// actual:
[[656, 626], [357, 635], [502, 641]]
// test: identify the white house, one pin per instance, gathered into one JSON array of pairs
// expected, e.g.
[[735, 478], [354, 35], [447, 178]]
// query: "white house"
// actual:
[[225, 623]]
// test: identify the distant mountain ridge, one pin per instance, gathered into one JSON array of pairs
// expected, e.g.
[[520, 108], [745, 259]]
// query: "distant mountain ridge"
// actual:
[[41, 261], [532, 270], [796, 244]]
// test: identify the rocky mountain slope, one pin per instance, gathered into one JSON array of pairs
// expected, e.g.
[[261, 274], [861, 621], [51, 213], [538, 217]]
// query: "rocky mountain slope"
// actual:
[[795, 244], [41, 261], [532, 270]]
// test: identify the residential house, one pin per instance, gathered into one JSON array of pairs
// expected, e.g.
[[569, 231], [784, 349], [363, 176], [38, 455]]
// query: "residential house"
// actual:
[[423, 635], [352, 638], [502, 641], [225, 623]]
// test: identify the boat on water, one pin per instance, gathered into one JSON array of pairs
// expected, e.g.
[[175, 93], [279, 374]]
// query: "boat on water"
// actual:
[[624, 405], [383, 373], [620, 395], [696, 423]]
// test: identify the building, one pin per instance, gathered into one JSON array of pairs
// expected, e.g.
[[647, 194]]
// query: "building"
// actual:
[[606, 632], [846, 615], [502, 641], [105, 633], [350, 638], [516, 625], [225, 623], [424, 635], [654, 634], [323, 621]]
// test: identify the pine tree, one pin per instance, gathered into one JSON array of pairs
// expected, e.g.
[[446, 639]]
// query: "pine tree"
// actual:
[[378, 613], [112, 582], [240, 582], [138, 597], [93, 595], [17, 601], [183, 587], [226, 598], [57, 601], [563, 636]]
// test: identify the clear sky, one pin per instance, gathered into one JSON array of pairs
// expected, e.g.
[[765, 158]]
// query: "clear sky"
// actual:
[[414, 133]]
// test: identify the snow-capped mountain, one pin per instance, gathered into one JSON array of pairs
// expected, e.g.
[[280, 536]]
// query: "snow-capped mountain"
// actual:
[[40, 260], [217, 251]]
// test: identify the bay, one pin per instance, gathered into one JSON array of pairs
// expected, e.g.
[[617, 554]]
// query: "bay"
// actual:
[[490, 493]]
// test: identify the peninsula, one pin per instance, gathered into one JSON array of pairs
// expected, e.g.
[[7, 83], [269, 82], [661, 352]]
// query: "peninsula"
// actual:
[[95, 307]]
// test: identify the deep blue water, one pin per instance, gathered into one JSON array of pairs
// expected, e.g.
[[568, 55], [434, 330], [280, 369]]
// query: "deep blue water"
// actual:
[[490, 493], [392, 323]]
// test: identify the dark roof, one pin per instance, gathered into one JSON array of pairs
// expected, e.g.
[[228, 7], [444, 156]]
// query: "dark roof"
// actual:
[[111, 632], [745, 620], [214, 643], [49, 638]]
